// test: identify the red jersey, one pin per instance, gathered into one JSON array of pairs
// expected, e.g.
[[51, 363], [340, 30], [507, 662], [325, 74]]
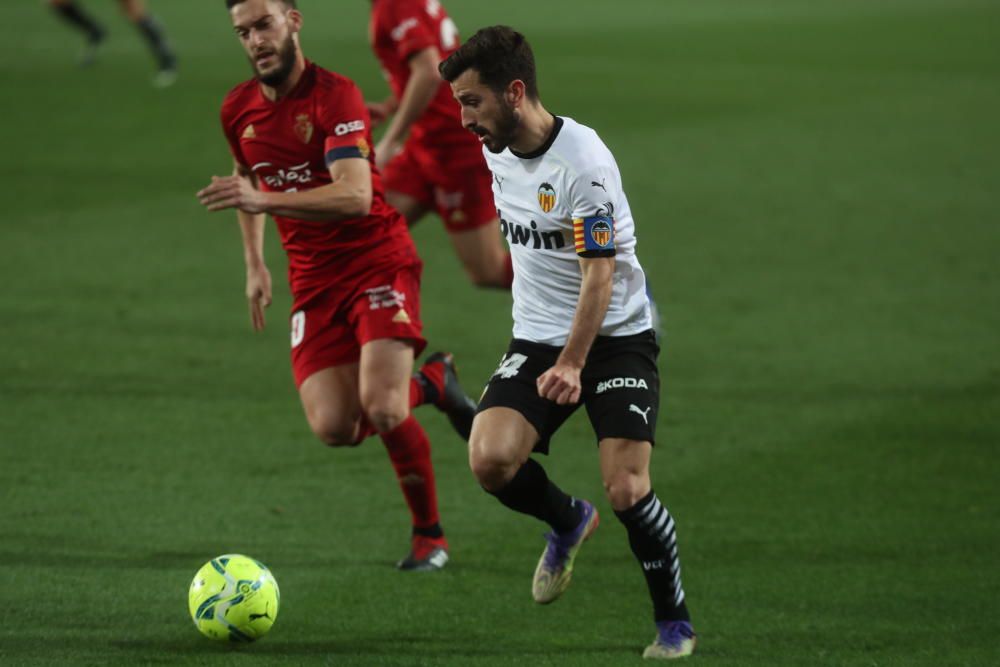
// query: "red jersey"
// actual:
[[288, 144], [399, 29]]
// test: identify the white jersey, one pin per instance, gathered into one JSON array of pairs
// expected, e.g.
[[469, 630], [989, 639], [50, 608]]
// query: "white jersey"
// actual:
[[561, 202]]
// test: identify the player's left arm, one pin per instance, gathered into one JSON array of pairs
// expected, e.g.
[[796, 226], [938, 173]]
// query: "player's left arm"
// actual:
[[420, 89], [591, 195]]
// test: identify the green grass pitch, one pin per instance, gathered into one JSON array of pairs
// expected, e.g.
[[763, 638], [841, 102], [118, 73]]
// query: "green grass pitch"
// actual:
[[815, 188]]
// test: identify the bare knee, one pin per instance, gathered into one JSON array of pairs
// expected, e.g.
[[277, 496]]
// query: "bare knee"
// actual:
[[624, 488], [385, 413], [486, 271], [493, 472], [333, 430], [133, 9], [482, 275], [493, 467]]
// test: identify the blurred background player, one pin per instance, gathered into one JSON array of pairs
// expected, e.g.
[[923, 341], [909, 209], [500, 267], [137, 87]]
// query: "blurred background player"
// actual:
[[150, 28], [429, 162], [300, 139], [591, 340]]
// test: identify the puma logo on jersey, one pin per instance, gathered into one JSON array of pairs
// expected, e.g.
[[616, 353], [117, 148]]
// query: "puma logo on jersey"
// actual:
[[600, 184], [632, 407], [530, 236], [621, 383]]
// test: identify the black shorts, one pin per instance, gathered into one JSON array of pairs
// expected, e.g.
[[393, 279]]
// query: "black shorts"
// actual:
[[621, 387]]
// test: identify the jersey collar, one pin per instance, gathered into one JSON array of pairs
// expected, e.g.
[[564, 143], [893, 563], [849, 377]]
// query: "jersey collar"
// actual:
[[541, 150]]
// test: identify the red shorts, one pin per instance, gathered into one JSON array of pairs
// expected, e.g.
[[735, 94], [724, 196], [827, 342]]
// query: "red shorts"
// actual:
[[330, 326], [458, 188]]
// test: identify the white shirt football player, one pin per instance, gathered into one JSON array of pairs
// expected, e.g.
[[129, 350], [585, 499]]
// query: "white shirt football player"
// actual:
[[561, 202], [582, 329]]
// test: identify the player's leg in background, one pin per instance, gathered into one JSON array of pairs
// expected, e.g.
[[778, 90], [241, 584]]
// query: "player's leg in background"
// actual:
[[384, 389], [330, 399], [407, 188], [71, 12], [411, 207], [653, 538], [155, 35], [483, 255], [463, 197]]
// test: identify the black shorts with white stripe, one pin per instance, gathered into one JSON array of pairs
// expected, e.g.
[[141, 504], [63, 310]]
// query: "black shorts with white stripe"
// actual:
[[621, 387]]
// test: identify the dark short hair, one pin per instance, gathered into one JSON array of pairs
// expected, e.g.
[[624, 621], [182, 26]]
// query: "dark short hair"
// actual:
[[500, 54], [232, 3]]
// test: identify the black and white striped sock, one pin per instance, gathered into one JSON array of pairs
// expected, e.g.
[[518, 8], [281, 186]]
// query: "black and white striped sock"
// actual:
[[653, 538]]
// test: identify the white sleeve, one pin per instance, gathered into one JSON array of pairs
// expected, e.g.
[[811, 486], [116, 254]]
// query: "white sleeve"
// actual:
[[593, 192]]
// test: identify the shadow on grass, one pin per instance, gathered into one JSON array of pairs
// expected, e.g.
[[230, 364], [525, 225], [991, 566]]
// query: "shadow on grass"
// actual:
[[382, 645]]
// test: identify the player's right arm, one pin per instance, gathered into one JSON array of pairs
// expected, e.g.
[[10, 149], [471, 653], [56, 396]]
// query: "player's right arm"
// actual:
[[348, 196], [561, 383], [420, 89], [258, 287], [590, 193]]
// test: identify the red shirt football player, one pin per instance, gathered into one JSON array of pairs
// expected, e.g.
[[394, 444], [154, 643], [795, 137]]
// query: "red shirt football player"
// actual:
[[429, 161], [301, 141]]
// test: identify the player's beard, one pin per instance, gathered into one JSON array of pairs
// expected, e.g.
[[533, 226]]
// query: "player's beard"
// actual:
[[506, 129], [286, 63]]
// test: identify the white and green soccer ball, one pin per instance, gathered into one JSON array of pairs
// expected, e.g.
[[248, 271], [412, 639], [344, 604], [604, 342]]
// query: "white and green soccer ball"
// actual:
[[234, 598]]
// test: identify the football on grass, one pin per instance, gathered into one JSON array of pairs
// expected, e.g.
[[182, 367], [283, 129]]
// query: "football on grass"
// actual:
[[234, 598]]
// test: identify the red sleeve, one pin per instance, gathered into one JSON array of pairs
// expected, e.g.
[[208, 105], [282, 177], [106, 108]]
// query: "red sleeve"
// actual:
[[345, 120], [231, 136], [409, 29]]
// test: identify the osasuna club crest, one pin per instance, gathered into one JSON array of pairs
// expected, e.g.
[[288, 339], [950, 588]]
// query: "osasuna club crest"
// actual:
[[546, 197], [601, 233], [303, 128]]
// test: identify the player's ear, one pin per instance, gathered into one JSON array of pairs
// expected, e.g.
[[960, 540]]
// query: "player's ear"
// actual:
[[515, 93], [295, 19]]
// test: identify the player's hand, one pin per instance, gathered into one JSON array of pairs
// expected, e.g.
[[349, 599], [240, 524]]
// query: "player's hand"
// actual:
[[385, 151], [378, 111], [231, 192], [561, 384], [258, 294]]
